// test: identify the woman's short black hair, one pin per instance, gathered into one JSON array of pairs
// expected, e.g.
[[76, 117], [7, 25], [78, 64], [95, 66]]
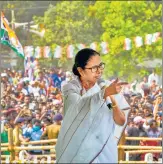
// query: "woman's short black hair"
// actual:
[[82, 58]]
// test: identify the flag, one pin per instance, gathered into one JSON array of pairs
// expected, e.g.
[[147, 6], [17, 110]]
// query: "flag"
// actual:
[[155, 36], [127, 44], [58, 52], [93, 46], [28, 51], [138, 41], [104, 46], [70, 51], [37, 52], [47, 52], [9, 38], [81, 46], [148, 39]]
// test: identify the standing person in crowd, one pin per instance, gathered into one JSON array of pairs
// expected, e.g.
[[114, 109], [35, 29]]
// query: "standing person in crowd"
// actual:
[[87, 130], [36, 135], [145, 87], [153, 76], [52, 130], [136, 131]]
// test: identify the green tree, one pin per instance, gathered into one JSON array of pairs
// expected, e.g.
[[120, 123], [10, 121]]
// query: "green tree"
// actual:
[[122, 20], [68, 22]]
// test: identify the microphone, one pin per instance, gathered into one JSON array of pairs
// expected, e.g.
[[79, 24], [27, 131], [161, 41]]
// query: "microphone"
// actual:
[[102, 84]]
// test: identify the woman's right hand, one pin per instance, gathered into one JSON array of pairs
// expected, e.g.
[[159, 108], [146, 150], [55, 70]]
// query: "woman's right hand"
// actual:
[[114, 88]]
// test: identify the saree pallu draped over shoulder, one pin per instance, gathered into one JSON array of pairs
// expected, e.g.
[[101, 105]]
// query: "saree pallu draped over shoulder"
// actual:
[[87, 131]]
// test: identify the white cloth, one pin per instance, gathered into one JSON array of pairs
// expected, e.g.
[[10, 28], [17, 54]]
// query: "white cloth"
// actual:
[[24, 91], [87, 131], [153, 77], [35, 91]]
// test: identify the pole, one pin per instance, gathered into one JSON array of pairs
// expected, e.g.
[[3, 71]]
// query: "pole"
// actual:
[[13, 19], [11, 144], [121, 153]]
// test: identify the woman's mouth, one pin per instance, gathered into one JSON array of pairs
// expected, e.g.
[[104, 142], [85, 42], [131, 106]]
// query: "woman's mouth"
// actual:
[[97, 77]]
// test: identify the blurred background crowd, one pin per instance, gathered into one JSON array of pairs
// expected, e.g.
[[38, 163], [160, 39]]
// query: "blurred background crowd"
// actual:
[[36, 107]]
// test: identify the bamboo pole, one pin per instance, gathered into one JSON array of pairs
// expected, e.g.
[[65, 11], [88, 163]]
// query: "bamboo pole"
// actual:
[[140, 147], [143, 138], [4, 144], [121, 154], [34, 148], [39, 142], [11, 144], [4, 162], [4, 156], [4, 148], [143, 151], [45, 155], [132, 162], [38, 156], [34, 142], [17, 141]]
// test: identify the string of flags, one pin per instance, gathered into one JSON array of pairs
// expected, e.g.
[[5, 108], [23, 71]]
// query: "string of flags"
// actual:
[[9, 38], [46, 52]]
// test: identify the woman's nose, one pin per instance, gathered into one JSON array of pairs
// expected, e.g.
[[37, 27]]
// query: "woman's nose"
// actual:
[[99, 71]]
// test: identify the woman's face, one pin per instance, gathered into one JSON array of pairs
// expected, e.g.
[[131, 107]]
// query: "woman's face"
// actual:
[[87, 74]]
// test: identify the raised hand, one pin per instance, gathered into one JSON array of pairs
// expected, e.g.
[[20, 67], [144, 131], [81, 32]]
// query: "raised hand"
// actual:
[[114, 88]]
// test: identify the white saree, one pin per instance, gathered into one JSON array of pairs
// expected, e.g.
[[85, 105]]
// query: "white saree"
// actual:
[[87, 131]]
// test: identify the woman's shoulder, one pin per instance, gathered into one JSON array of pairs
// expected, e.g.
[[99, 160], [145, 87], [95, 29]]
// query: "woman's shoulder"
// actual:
[[73, 85]]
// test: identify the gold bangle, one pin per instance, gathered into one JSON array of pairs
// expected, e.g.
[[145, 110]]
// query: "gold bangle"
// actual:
[[114, 106]]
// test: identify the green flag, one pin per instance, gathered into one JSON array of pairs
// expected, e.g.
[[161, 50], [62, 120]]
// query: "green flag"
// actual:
[[9, 38]]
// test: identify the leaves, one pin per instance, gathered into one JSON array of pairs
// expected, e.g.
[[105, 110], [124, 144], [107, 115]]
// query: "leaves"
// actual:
[[73, 22]]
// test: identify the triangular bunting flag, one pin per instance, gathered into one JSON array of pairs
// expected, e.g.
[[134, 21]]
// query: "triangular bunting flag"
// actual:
[[93, 46], [58, 52], [104, 47], [70, 51], [127, 44], [138, 41], [47, 52], [148, 39]]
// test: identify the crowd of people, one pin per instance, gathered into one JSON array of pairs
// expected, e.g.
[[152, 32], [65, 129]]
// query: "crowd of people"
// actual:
[[35, 108], [145, 119]]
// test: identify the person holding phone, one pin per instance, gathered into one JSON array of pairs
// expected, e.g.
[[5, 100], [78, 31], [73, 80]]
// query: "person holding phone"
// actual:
[[87, 131]]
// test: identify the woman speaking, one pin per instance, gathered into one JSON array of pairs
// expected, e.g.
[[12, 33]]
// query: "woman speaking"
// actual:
[[87, 131]]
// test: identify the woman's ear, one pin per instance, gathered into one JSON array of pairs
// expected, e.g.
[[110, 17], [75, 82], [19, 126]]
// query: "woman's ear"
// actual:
[[80, 70]]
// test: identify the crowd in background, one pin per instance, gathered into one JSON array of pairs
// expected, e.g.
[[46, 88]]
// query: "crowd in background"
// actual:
[[36, 107], [145, 119], [33, 107]]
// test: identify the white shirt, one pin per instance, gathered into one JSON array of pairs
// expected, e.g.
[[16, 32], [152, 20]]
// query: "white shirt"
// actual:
[[35, 91], [153, 77]]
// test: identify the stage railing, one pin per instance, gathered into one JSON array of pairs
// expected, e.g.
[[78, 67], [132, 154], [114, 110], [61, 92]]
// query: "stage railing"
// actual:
[[123, 150]]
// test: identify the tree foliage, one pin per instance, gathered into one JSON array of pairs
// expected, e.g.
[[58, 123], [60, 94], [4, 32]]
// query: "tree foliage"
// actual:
[[72, 22], [122, 20]]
